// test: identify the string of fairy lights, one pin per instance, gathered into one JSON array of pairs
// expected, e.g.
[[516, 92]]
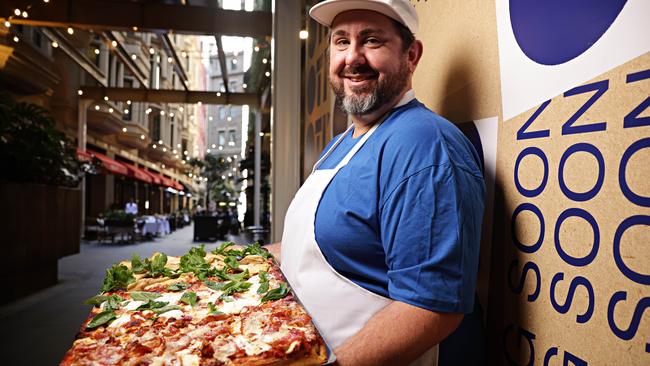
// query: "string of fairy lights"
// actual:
[[176, 152]]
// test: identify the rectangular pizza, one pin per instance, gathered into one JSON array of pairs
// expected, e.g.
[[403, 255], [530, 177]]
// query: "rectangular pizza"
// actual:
[[231, 306]]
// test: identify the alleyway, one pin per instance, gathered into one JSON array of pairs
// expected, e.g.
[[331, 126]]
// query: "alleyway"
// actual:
[[38, 329]]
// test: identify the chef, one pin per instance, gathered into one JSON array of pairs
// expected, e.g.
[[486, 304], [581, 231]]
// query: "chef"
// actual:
[[381, 242]]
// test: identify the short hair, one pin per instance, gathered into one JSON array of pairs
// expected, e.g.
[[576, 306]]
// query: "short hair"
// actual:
[[405, 35]]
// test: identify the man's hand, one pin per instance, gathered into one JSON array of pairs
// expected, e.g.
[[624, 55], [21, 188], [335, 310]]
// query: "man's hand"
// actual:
[[397, 335], [275, 250]]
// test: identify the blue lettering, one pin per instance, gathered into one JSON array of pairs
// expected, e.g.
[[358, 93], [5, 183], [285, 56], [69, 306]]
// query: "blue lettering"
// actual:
[[593, 150], [532, 208], [577, 281], [536, 191], [577, 262], [549, 354], [643, 279], [523, 333], [633, 197], [600, 87], [529, 266], [632, 119], [522, 134], [575, 360], [630, 332]]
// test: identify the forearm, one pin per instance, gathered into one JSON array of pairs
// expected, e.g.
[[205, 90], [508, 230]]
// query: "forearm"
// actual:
[[396, 335], [275, 250]]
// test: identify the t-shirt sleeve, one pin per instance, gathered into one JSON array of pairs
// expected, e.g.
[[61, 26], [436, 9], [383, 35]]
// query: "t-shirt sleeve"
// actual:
[[430, 229]]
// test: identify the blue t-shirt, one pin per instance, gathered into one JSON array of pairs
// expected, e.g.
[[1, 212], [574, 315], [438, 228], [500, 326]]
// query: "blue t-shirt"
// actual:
[[403, 218]]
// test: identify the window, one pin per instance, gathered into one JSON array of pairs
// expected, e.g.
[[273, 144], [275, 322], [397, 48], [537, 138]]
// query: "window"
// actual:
[[128, 83], [232, 138], [222, 138], [222, 112], [233, 86], [171, 131], [233, 64], [155, 128]]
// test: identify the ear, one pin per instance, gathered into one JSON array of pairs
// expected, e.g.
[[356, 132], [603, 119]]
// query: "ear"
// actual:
[[414, 54]]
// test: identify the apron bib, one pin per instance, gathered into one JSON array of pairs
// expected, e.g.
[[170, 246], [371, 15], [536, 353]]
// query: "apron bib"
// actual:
[[339, 307]]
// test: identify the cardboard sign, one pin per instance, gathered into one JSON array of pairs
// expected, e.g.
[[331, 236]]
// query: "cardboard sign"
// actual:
[[570, 275], [571, 283]]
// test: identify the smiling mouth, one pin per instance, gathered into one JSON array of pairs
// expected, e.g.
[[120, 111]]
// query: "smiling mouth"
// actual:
[[360, 78]]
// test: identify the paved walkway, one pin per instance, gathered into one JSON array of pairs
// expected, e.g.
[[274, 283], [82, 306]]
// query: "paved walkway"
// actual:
[[38, 329]]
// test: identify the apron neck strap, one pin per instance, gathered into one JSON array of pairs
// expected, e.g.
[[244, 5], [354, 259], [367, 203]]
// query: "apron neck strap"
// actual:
[[354, 149]]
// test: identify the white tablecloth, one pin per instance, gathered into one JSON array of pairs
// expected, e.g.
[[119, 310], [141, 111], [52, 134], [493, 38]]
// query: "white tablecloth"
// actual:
[[155, 226]]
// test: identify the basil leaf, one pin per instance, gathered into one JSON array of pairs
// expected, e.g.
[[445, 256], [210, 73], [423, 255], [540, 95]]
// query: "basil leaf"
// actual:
[[137, 266], [264, 282], [150, 305], [189, 298], [235, 286], [165, 309], [264, 287], [194, 262], [226, 298], [157, 266], [222, 248], [112, 304], [231, 262], [144, 296], [213, 309], [239, 276], [217, 286], [200, 251], [179, 286], [257, 249], [117, 277], [112, 301], [277, 293], [101, 318]]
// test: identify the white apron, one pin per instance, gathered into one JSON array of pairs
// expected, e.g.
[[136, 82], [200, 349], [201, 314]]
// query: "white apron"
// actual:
[[339, 307]]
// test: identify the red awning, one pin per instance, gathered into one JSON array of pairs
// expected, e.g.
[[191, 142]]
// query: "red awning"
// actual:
[[110, 164], [83, 155], [167, 182], [178, 186], [137, 173], [155, 177]]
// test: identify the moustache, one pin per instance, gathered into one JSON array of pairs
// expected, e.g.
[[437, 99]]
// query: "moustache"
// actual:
[[365, 70]]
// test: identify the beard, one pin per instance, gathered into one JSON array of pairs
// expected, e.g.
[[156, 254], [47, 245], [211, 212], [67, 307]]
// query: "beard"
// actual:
[[365, 100]]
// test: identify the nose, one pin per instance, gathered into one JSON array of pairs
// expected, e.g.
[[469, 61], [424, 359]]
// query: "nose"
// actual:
[[355, 55]]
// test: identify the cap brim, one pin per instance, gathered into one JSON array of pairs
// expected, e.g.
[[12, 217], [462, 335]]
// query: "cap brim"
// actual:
[[325, 12]]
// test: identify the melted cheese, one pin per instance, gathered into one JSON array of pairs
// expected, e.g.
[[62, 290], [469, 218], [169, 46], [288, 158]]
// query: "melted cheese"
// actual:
[[235, 307], [251, 346], [121, 320], [172, 314], [171, 298], [132, 305]]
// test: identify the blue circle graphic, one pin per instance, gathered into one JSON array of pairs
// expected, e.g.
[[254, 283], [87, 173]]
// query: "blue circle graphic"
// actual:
[[552, 32]]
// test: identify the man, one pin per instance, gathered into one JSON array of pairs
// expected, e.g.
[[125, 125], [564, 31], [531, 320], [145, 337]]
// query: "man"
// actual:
[[381, 242], [131, 207]]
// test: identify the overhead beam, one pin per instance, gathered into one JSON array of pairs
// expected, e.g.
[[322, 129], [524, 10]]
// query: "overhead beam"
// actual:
[[146, 16], [222, 64], [177, 64], [169, 96]]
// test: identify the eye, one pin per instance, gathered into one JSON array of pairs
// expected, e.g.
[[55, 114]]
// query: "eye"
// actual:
[[372, 41], [341, 42]]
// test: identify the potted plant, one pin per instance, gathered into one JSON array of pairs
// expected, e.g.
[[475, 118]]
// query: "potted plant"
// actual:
[[41, 220]]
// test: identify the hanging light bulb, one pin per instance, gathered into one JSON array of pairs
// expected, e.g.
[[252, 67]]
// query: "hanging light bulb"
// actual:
[[70, 31]]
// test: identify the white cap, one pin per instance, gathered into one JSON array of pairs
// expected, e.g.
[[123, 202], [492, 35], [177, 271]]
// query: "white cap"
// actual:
[[400, 10]]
